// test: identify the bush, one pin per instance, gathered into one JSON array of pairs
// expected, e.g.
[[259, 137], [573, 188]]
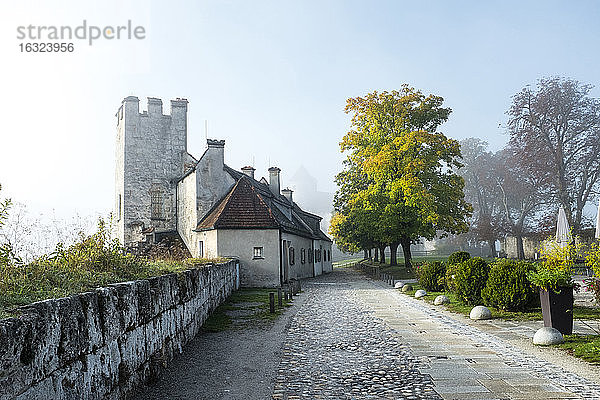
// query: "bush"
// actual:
[[91, 262], [431, 275], [458, 256], [469, 280], [507, 286]]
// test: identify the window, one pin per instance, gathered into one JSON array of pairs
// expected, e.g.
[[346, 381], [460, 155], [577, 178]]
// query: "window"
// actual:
[[310, 255], [200, 248], [328, 255], [156, 203], [302, 256], [119, 208], [258, 252], [292, 256]]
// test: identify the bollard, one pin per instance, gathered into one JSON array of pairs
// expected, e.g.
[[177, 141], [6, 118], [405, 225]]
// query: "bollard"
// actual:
[[286, 295], [279, 300], [272, 302], [393, 280]]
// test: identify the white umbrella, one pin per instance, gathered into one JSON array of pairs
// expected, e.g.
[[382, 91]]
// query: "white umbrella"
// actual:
[[598, 223], [563, 233]]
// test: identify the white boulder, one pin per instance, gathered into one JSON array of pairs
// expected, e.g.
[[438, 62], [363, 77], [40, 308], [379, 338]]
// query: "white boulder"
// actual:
[[398, 285], [420, 293], [407, 288], [547, 335], [441, 299], [480, 312]]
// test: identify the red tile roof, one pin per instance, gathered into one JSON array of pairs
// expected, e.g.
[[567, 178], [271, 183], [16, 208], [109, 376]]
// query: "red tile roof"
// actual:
[[241, 208]]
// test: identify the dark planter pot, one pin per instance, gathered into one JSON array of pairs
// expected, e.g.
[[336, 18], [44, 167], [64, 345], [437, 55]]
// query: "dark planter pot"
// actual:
[[557, 309]]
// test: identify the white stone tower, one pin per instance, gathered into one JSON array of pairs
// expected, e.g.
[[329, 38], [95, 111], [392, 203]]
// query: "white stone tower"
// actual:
[[151, 153]]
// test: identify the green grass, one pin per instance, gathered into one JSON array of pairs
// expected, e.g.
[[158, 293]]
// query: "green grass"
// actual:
[[53, 278], [533, 314], [219, 320], [583, 346]]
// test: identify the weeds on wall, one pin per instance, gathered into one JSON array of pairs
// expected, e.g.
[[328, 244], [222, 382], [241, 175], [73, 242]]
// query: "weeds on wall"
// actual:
[[93, 261]]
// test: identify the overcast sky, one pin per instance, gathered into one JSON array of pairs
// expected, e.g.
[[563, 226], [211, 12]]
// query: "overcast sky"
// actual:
[[271, 78]]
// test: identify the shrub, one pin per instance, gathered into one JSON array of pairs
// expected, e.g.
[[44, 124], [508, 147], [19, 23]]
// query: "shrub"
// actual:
[[91, 262], [457, 257], [507, 286], [469, 280], [431, 275]]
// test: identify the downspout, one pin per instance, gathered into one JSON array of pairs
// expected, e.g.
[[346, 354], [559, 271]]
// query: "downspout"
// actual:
[[280, 260]]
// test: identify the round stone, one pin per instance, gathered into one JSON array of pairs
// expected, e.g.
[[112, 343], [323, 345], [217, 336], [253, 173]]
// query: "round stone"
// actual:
[[420, 293], [480, 312], [547, 335], [441, 299], [407, 288], [399, 285]]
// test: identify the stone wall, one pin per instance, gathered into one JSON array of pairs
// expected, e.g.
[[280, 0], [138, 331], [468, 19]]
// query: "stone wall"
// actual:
[[531, 246], [102, 344]]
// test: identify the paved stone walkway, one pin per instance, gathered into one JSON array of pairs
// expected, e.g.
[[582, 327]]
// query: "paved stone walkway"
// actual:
[[355, 338]]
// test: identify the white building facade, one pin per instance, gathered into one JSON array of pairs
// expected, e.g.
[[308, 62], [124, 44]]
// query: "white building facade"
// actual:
[[217, 211]]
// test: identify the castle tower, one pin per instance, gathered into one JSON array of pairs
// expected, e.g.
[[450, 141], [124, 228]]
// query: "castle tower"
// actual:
[[150, 155]]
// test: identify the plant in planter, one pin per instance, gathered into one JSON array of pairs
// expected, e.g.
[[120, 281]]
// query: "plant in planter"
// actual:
[[553, 275]]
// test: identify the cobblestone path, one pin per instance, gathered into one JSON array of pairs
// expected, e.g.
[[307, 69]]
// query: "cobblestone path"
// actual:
[[335, 348], [354, 338]]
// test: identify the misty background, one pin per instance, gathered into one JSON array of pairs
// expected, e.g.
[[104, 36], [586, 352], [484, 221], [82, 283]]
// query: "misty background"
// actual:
[[269, 77]]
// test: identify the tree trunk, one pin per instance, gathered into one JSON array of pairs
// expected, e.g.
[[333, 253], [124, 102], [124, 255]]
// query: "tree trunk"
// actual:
[[382, 254], [365, 254], [520, 250], [376, 259], [393, 252], [492, 244], [405, 242]]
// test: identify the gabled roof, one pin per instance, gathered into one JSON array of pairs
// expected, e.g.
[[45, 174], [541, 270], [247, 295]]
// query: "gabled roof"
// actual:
[[250, 204], [241, 208]]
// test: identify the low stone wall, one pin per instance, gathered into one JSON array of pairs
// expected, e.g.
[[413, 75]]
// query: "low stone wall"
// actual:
[[102, 344]]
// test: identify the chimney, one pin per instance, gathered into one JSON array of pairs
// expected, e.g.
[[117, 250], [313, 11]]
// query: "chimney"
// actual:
[[216, 153], [154, 106], [287, 192], [248, 171], [274, 180]]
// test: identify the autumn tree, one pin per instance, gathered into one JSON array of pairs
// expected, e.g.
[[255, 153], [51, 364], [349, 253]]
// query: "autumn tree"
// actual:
[[408, 185], [555, 127]]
